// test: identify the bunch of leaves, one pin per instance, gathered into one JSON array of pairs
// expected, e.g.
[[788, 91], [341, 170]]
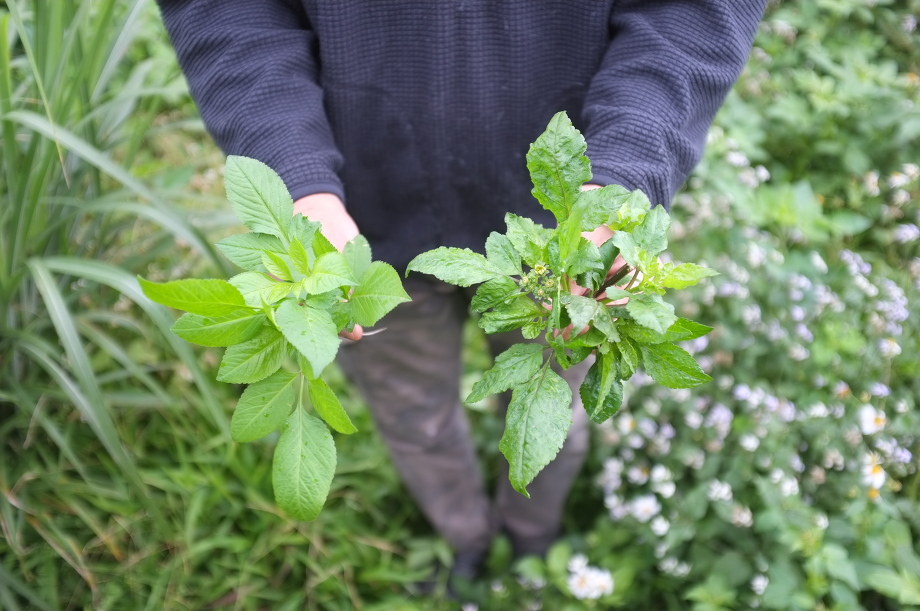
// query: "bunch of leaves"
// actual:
[[280, 320], [557, 284]]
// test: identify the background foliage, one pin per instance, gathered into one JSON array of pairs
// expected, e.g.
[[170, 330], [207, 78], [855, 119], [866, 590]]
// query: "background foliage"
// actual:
[[788, 483]]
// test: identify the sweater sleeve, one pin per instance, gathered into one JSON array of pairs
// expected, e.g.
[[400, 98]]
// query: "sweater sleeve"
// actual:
[[665, 74], [253, 72]]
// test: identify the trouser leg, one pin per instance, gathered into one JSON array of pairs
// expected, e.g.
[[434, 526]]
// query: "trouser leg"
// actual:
[[409, 376], [533, 524]]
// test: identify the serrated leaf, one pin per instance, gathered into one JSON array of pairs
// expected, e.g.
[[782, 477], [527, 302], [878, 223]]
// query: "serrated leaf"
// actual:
[[632, 211], [264, 406], [681, 330], [513, 315], [494, 293], [256, 288], [321, 245], [628, 247], [302, 229], [629, 358], [528, 238], [585, 259], [300, 258], [258, 196], [501, 254], [533, 329], [558, 166], [672, 366], [604, 323], [276, 266], [255, 359], [458, 266], [651, 311], [536, 424], [311, 331], [686, 274], [358, 256], [203, 297], [379, 292], [652, 233], [303, 465], [330, 271], [328, 406], [233, 328], [600, 206], [245, 249], [512, 367], [602, 391], [581, 310]]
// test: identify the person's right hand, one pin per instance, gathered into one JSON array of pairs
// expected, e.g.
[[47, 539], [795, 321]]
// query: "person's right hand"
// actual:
[[336, 224]]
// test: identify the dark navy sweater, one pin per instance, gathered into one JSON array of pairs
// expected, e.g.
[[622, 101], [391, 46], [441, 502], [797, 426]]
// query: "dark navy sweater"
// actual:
[[418, 113]]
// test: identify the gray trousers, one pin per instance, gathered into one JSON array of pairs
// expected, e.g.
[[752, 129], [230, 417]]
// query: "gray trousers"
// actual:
[[409, 377]]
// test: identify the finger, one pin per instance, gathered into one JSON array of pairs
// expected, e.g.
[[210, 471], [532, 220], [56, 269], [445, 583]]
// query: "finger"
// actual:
[[354, 335]]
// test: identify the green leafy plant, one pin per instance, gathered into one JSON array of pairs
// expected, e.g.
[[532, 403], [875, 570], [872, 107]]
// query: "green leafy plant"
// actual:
[[557, 284], [296, 293]]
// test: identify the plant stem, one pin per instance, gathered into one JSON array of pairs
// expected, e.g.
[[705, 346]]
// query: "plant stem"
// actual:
[[613, 279]]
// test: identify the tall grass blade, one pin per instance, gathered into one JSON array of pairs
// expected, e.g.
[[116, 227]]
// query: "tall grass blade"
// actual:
[[13, 583]]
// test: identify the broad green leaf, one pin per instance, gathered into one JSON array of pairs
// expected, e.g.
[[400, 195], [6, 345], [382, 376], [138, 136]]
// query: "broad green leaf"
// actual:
[[604, 323], [599, 206], [632, 211], [628, 247], [233, 328], [533, 329], [379, 292], [255, 359], [311, 331], [245, 249], [358, 256], [672, 366], [594, 277], [686, 274], [538, 419], [303, 229], [303, 465], [581, 310], [256, 288], [586, 258], [494, 293], [203, 297], [501, 254], [602, 391], [276, 266], [258, 196], [330, 271], [681, 330], [459, 266], [264, 406], [512, 367], [328, 406], [528, 238], [558, 166], [651, 311], [321, 245], [513, 315], [300, 258], [652, 233]]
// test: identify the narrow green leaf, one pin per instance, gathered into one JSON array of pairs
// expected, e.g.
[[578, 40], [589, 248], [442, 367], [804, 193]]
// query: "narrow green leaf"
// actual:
[[258, 196], [629, 358], [264, 406], [528, 238], [513, 315], [245, 249], [328, 406], [558, 166], [512, 367], [651, 311], [501, 254], [311, 331], [602, 392], [379, 292], [358, 256], [330, 271], [256, 288], [300, 258], [652, 233], [233, 328], [276, 266], [255, 359], [681, 330], [459, 266], [494, 293], [686, 274], [538, 419], [303, 465], [204, 297], [672, 366]]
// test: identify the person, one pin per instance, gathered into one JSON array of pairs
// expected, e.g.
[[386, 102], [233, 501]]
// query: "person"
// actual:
[[409, 121]]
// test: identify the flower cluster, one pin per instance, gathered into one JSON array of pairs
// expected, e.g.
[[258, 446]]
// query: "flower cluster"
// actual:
[[588, 582]]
